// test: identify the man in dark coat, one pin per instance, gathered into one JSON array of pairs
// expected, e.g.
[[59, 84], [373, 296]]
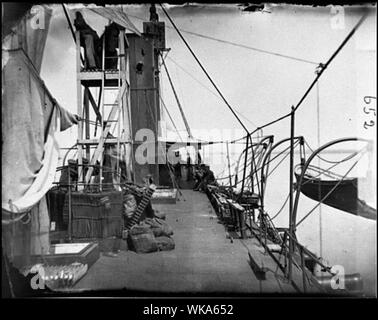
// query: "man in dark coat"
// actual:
[[90, 41], [111, 35], [207, 178], [198, 176]]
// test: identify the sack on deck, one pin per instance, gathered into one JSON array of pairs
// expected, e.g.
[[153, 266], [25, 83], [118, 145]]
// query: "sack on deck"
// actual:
[[160, 215], [142, 239], [159, 227], [140, 229], [165, 243]]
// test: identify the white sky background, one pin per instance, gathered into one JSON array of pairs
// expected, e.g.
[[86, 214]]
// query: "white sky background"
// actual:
[[258, 85]]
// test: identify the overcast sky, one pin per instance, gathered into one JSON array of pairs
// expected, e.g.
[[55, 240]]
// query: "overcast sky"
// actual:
[[258, 85]]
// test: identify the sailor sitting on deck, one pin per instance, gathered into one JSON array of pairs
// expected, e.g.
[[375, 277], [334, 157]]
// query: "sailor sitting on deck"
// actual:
[[205, 177], [198, 174]]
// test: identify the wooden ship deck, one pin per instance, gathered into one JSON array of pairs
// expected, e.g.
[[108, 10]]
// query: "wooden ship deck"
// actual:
[[214, 255], [205, 260]]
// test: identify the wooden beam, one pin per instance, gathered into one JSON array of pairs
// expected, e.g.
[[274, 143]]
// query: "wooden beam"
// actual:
[[87, 118], [100, 146], [95, 107], [79, 108], [107, 141], [126, 114]]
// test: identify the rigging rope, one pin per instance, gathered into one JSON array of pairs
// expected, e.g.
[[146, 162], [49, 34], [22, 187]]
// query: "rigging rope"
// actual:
[[329, 161], [279, 154], [239, 45], [170, 117], [287, 154], [204, 70], [172, 175], [327, 195], [323, 171], [321, 69], [280, 210], [279, 163], [177, 99], [208, 89]]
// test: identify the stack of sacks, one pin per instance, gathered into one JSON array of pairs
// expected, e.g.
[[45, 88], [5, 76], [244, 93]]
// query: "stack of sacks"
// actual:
[[152, 234]]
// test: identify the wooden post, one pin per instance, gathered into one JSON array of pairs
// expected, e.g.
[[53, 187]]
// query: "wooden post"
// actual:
[[79, 111], [69, 205], [87, 118], [303, 267], [125, 105], [127, 112], [120, 104], [228, 164], [101, 149], [291, 182], [245, 164]]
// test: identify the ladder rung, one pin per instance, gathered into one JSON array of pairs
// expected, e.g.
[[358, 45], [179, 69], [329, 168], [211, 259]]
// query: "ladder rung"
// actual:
[[110, 121], [96, 141], [110, 104]]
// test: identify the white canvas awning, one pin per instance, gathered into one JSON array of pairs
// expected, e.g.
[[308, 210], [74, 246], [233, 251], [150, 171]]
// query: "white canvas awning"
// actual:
[[118, 16], [31, 117], [29, 35]]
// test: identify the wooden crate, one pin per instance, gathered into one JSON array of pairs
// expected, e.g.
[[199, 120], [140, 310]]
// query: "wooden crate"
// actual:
[[164, 196], [97, 215], [88, 253]]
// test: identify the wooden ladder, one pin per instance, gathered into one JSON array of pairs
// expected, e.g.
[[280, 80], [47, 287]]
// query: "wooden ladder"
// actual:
[[141, 207], [114, 116]]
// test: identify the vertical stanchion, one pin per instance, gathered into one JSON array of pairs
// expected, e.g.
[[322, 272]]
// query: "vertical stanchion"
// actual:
[[228, 164], [79, 109], [102, 108], [319, 189], [291, 225], [245, 164], [117, 179], [303, 269], [86, 122], [265, 219], [283, 249], [69, 205]]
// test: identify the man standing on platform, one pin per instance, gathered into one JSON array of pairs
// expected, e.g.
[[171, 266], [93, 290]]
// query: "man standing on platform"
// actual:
[[90, 41]]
